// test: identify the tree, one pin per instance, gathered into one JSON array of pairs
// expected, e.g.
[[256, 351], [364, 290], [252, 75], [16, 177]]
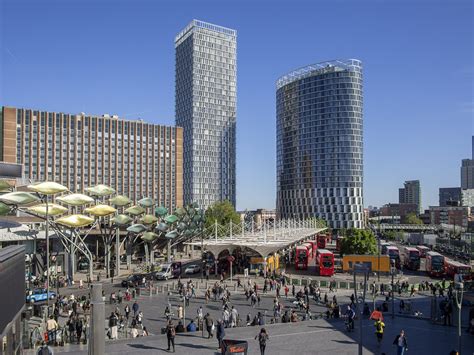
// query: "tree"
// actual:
[[412, 218], [223, 212], [359, 241]]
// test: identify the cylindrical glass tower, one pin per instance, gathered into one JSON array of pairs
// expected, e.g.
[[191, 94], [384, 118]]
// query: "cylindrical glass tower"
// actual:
[[319, 143]]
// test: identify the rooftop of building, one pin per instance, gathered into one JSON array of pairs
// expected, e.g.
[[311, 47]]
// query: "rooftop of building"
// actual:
[[205, 25], [318, 69], [83, 114]]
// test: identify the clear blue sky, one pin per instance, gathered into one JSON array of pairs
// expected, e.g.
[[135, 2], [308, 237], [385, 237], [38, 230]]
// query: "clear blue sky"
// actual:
[[118, 57]]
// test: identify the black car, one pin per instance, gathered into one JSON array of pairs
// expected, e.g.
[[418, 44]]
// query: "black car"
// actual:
[[132, 280]]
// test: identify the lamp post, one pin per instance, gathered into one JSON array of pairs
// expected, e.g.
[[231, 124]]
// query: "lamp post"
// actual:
[[458, 292], [362, 270], [392, 289], [47, 256]]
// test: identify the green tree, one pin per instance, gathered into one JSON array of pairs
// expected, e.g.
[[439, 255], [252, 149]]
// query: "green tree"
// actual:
[[412, 218], [359, 241], [223, 212]]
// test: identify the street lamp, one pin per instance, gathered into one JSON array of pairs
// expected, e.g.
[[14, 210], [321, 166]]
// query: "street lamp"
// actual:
[[361, 270], [458, 293]]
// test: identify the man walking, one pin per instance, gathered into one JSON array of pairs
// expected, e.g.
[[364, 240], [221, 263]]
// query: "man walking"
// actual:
[[209, 322], [135, 308], [379, 328], [170, 334], [113, 322]]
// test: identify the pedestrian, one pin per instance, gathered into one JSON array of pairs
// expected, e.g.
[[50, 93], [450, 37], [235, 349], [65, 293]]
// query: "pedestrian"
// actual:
[[293, 290], [379, 328], [127, 311], [209, 322], [286, 291], [262, 340], [448, 310], [220, 333], [79, 327], [170, 334], [135, 308], [44, 349], [52, 327], [113, 322], [180, 312], [401, 343]]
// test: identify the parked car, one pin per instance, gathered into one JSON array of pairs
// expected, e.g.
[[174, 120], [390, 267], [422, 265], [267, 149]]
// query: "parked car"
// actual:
[[192, 269], [40, 294]]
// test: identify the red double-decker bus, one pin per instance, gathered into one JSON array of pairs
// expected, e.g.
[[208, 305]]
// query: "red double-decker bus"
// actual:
[[311, 252], [453, 267], [301, 258], [325, 262], [394, 254], [423, 250], [338, 244], [411, 258], [321, 241], [434, 263]]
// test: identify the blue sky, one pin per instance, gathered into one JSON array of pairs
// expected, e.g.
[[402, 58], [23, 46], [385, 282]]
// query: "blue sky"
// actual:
[[118, 57]]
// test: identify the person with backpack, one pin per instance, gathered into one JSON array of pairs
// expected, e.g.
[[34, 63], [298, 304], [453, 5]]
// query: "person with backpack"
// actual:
[[44, 349], [379, 328], [262, 340], [350, 318], [170, 334], [401, 343]]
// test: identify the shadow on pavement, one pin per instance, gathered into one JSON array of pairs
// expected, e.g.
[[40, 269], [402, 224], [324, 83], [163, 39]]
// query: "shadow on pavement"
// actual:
[[344, 342], [144, 347], [195, 346]]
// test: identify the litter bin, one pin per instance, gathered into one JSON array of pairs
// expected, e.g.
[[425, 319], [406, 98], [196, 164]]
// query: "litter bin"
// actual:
[[232, 347]]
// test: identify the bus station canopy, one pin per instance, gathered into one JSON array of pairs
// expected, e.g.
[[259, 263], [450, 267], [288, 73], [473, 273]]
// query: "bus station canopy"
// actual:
[[264, 239]]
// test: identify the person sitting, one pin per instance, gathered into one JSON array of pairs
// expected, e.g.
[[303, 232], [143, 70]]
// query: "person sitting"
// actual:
[[285, 318], [180, 327], [191, 326]]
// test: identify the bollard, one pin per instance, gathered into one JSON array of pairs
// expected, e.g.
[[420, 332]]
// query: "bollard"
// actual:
[[235, 287]]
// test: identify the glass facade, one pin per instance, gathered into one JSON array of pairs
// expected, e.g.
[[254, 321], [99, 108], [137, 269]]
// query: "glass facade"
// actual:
[[205, 107], [320, 143]]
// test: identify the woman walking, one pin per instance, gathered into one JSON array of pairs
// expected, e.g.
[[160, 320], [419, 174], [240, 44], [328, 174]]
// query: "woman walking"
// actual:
[[262, 340], [401, 343]]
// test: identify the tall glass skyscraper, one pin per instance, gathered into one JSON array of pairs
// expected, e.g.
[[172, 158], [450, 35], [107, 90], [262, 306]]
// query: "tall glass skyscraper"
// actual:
[[206, 80], [319, 143]]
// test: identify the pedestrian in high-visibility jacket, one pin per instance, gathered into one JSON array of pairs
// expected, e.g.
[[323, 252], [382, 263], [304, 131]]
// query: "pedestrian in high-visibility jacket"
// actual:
[[379, 328]]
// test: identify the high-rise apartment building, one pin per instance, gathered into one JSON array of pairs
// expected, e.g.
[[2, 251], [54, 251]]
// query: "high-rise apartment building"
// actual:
[[467, 171], [467, 174], [206, 80], [449, 196], [320, 143], [411, 193], [137, 159]]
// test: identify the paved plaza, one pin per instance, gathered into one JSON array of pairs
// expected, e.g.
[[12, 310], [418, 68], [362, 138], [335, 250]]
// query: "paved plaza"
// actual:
[[309, 337]]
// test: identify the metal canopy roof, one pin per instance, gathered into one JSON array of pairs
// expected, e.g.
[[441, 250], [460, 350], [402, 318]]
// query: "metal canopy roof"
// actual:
[[265, 239]]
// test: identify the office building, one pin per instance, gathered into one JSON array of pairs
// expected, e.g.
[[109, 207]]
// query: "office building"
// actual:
[[137, 159], [320, 145], [411, 194], [467, 171], [206, 80], [399, 209], [449, 196], [467, 198], [455, 216], [467, 174]]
